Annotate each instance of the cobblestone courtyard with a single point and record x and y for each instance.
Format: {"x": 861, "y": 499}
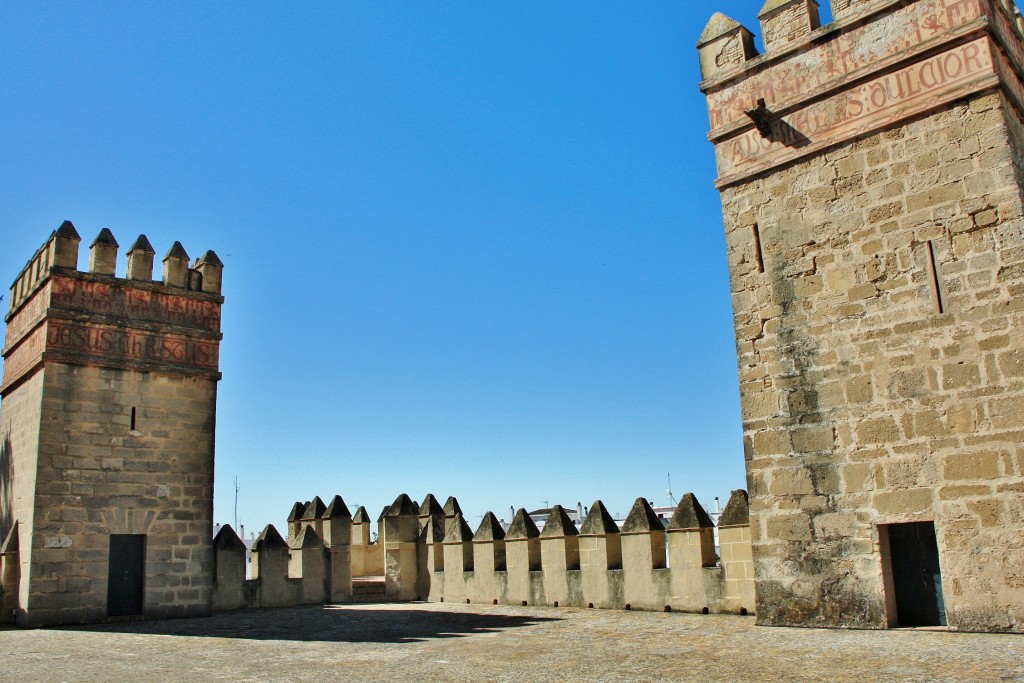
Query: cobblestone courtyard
{"x": 443, "y": 642}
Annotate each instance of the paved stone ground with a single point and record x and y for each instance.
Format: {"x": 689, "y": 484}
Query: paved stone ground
{"x": 443, "y": 642}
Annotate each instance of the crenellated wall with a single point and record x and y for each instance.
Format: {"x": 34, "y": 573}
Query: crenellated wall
{"x": 871, "y": 179}
{"x": 431, "y": 553}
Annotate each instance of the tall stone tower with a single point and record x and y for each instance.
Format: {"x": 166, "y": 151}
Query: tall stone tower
{"x": 871, "y": 176}
{"x": 107, "y": 434}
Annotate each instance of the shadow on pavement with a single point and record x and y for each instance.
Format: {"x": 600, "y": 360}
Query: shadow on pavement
{"x": 329, "y": 623}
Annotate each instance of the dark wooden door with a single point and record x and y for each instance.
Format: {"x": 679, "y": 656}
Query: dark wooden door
{"x": 127, "y": 571}
{"x": 915, "y": 574}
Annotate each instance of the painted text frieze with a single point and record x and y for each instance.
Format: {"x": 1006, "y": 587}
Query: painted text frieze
{"x": 812, "y": 70}
{"x": 135, "y": 303}
{"x": 114, "y": 343}
{"x": 871, "y": 105}
{"x": 24, "y": 356}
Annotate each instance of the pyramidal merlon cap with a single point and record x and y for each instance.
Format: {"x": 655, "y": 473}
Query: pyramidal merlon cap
{"x": 141, "y": 244}
{"x": 177, "y": 252}
{"x": 106, "y": 238}
{"x": 718, "y": 26}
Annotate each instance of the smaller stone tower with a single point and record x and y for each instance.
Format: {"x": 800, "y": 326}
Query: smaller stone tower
{"x": 107, "y": 434}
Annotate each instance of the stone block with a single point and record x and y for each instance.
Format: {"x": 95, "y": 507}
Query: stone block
{"x": 971, "y": 466}
{"x": 791, "y": 482}
{"x": 793, "y": 526}
{"x": 903, "y": 501}
{"x": 989, "y": 511}
{"x": 878, "y": 430}
{"x": 960, "y": 376}
{"x": 772, "y": 442}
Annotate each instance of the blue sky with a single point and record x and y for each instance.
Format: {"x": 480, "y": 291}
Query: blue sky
{"x": 472, "y": 249}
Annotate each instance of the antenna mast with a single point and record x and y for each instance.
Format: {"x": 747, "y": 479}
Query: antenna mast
{"x": 236, "y": 502}
{"x": 669, "y": 492}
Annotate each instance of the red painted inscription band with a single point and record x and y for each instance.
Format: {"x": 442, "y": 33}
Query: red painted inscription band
{"x": 136, "y": 303}
{"x": 24, "y": 357}
{"x": 861, "y": 48}
{"x": 28, "y": 316}
{"x": 877, "y": 103}
{"x": 114, "y": 343}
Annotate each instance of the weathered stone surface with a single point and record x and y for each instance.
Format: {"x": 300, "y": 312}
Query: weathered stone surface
{"x": 227, "y": 539}
{"x": 736, "y": 512}
{"x": 308, "y": 538}
{"x": 314, "y": 510}
{"x": 490, "y": 529}
{"x": 690, "y": 514}
{"x": 784, "y": 21}
{"x": 337, "y": 508}
{"x": 451, "y": 507}
{"x": 432, "y": 532}
{"x": 558, "y": 524}
{"x": 403, "y": 505}
{"x": 298, "y": 509}
{"x": 599, "y": 521}
{"x": 641, "y": 518}
{"x": 724, "y": 46}
{"x": 876, "y": 258}
{"x": 459, "y": 531}
{"x": 269, "y": 538}
{"x": 522, "y": 527}
{"x": 430, "y": 506}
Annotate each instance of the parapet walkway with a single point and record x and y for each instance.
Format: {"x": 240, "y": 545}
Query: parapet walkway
{"x": 444, "y": 642}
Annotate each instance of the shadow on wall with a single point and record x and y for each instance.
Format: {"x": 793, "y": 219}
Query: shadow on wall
{"x": 331, "y": 624}
{"x": 6, "y": 486}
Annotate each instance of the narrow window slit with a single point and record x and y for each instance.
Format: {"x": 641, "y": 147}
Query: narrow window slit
{"x": 758, "y": 254}
{"x": 133, "y": 420}
{"x": 933, "y": 280}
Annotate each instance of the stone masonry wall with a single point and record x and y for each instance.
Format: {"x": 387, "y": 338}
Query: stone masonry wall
{"x": 867, "y": 396}
{"x": 98, "y": 477}
{"x": 19, "y": 448}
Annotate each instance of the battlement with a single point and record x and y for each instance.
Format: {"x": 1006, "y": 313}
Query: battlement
{"x": 431, "y": 553}
{"x": 94, "y": 317}
{"x": 60, "y": 252}
{"x": 877, "y": 62}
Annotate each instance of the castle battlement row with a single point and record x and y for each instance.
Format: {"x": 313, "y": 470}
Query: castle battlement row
{"x": 429, "y": 552}
{"x": 60, "y": 251}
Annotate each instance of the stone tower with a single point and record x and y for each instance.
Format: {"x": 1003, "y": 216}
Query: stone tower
{"x": 107, "y": 434}
{"x": 871, "y": 178}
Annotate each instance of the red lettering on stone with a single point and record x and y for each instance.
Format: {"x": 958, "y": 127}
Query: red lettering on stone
{"x": 971, "y": 53}
{"x": 957, "y": 62}
{"x": 879, "y": 95}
